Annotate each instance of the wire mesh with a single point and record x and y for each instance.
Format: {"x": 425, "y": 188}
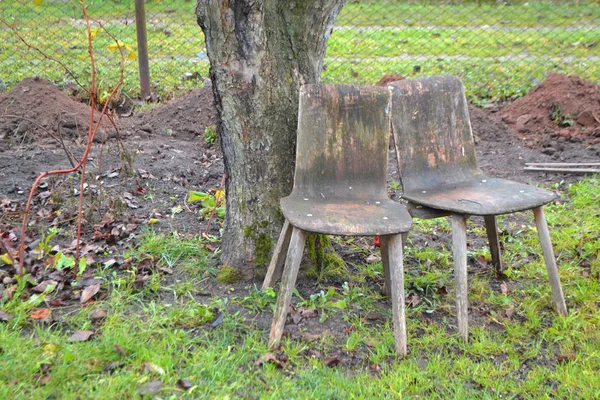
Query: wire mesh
{"x": 499, "y": 48}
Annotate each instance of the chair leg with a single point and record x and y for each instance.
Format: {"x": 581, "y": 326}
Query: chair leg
{"x": 288, "y": 280}
{"x": 278, "y": 259}
{"x": 396, "y": 288}
{"x": 544, "y": 234}
{"x": 385, "y": 260}
{"x": 492, "y": 234}
{"x": 384, "y": 240}
{"x": 459, "y": 247}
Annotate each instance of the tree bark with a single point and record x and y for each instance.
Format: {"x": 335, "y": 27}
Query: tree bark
{"x": 260, "y": 52}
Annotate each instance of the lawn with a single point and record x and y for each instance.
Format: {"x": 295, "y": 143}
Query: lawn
{"x": 168, "y": 338}
{"x": 500, "y": 50}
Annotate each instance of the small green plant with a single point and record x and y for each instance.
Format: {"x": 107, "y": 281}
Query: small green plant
{"x": 395, "y": 185}
{"x": 559, "y": 118}
{"x": 44, "y": 245}
{"x": 259, "y": 300}
{"x": 209, "y": 202}
{"x": 210, "y": 134}
{"x": 322, "y": 301}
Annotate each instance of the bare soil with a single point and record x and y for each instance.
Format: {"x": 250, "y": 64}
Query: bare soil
{"x": 563, "y": 108}
{"x": 167, "y": 156}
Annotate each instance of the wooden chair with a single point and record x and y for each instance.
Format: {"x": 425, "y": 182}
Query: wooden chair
{"x": 440, "y": 176}
{"x": 340, "y": 189}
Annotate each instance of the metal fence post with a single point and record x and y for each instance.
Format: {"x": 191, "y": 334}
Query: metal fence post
{"x": 142, "y": 41}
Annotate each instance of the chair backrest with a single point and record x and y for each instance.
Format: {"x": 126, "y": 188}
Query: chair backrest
{"x": 432, "y": 132}
{"x": 343, "y": 139}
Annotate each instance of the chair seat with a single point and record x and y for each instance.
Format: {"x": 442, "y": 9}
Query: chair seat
{"x": 482, "y": 196}
{"x": 344, "y": 217}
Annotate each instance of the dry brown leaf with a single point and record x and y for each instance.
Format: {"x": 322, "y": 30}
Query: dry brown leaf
{"x": 89, "y": 292}
{"x": 149, "y": 388}
{"x": 269, "y": 357}
{"x": 309, "y": 337}
{"x": 184, "y": 384}
{"x": 80, "y": 336}
{"x": 119, "y": 350}
{"x": 98, "y": 315}
{"x": 4, "y": 316}
{"x": 331, "y": 361}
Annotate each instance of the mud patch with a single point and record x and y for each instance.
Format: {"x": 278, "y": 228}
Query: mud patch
{"x": 37, "y": 100}
{"x": 562, "y": 108}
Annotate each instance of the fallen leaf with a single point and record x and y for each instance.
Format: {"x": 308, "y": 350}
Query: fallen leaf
{"x": 269, "y": 357}
{"x": 314, "y": 353}
{"x": 89, "y": 292}
{"x": 184, "y": 384}
{"x": 40, "y": 313}
{"x": 373, "y": 259}
{"x": 45, "y": 379}
{"x": 98, "y": 315}
{"x": 45, "y": 367}
{"x": 45, "y": 287}
{"x": 564, "y": 358}
{"x": 149, "y": 388}
{"x": 414, "y": 299}
{"x": 217, "y": 321}
{"x": 296, "y": 317}
{"x": 504, "y": 288}
{"x": 119, "y": 350}
{"x": 308, "y": 313}
{"x": 4, "y": 316}
{"x": 509, "y": 312}
{"x": 80, "y": 336}
{"x": 331, "y": 361}
{"x": 5, "y": 259}
{"x": 113, "y": 366}
{"x": 164, "y": 270}
{"x": 153, "y": 368}
{"x": 309, "y": 337}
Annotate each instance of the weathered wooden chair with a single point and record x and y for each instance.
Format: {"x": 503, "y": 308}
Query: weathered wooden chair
{"x": 340, "y": 189}
{"x": 440, "y": 176}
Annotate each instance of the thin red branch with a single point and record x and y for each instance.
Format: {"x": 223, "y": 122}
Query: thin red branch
{"x": 93, "y": 130}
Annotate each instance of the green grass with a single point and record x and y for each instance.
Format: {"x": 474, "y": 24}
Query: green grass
{"x": 499, "y": 50}
{"x": 534, "y": 354}
{"x": 520, "y": 13}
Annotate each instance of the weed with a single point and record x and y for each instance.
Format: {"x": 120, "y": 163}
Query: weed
{"x": 322, "y": 301}
{"x": 559, "y": 118}
{"x": 210, "y": 134}
{"x": 259, "y": 300}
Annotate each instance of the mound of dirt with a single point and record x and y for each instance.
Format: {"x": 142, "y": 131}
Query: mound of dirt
{"x": 38, "y": 100}
{"x": 561, "y": 106}
{"x": 185, "y": 116}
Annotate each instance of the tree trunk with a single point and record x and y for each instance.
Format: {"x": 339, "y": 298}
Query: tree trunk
{"x": 260, "y": 52}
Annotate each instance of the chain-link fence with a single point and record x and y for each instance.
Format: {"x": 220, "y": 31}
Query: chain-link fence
{"x": 500, "y": 49}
